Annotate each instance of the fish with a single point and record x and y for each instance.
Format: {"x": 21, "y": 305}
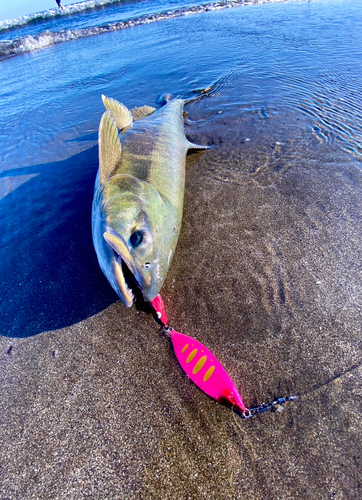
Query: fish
{"x": 138, "y": 196}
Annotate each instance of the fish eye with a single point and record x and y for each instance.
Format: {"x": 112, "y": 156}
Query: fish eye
{"x": 147, "y": 265}
{"x": 136, "y": 238}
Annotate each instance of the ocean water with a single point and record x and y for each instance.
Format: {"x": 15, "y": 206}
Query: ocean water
{"x": 295, "y": 67}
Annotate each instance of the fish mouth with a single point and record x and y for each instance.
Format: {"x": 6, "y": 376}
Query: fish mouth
{"x": 129, "y": 289}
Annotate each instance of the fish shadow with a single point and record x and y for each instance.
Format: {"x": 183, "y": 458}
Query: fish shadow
{"x": 49, "y": 274}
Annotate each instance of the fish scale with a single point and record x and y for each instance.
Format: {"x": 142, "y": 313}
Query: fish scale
{"x": 154, "y": 150}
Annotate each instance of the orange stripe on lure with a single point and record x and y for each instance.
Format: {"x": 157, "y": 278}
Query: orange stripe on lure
{"x": 201, "y": 365}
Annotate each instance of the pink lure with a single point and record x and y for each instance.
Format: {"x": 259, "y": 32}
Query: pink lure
{"x": 206, "y": 371}
{"x": 202, "y": 366}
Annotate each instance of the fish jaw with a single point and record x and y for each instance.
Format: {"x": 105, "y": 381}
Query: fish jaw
{"x": 121, "y": 254}
{"x": 124, "y": 292}
{"x": 112, "y": 263}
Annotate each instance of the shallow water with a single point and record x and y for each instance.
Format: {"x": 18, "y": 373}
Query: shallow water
{"x": 295, "y": 63}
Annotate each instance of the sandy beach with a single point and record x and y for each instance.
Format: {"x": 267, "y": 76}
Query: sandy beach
{"x": 267, "y": 274}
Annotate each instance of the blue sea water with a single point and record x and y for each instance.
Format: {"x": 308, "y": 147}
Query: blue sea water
{"x": 298, "y": 63}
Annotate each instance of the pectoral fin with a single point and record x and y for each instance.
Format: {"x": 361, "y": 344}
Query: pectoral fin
{"x": 142, "y": 112}
{"x": 109, "y": 146}
{"x": 120, "y": 113}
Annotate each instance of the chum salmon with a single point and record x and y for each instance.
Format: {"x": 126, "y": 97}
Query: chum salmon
{"x": 139, "y": 192}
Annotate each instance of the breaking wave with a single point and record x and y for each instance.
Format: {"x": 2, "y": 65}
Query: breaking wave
{"x": 72, "y": 9}
{"x": 31, "y": 43}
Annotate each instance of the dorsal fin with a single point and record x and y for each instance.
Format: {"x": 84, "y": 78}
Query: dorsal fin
{"x": 109, "y": 146}
{"x": 120, "y": 113}
{"x": 142, "y": 112}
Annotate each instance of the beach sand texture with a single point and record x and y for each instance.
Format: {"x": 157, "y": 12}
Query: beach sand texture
{"x": 267, "y": 274}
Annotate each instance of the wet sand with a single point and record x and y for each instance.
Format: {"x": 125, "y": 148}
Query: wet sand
{"x": 267, "y": 274}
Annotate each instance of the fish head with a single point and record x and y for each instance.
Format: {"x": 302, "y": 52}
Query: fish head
{"x": 134, "y": 237}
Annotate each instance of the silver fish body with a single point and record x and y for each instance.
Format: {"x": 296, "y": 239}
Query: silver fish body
{"x": 138, "y": 199}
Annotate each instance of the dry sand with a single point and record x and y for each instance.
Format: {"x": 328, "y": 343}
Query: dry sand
{"x": 267, "y": 274}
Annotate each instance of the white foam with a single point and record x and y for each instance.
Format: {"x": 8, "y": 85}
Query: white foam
{"x": 31, "y": 43}
{"x": 75, "y": 8}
